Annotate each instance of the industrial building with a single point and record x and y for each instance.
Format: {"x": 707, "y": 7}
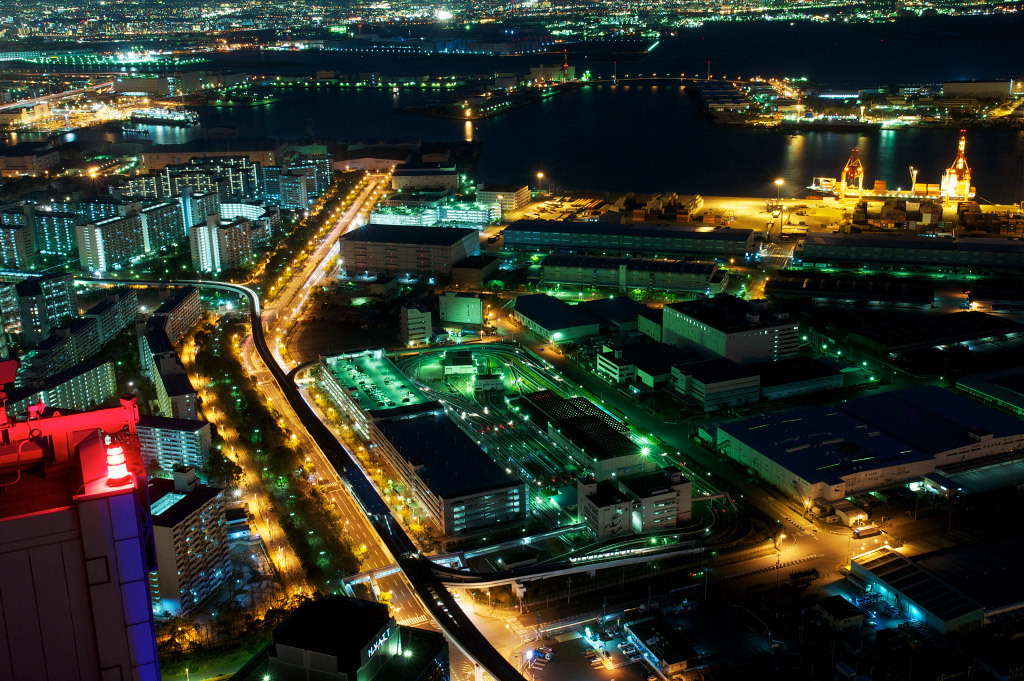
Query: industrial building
{"x": 642, "y": 240}
{"x": 636, "y": 503}
{"x": 916, "y": 591}
{"x": 477, "y": 214}
{"x": 475, "y": 271}
{"x": 982, "y": 89}
{"x": 554, "y": 320}
{"x": 456, "y": 483}
{"x": 190, "y": 538}
{"x": 415, "y": 324}
{"x": 855, "y": 289}
{"x": 601, "y": 444}
{"x": 730, "y": 327}
{"x": 966, "y": 329}
{"x": 634, "y": 273}
{"x": 408, "y": 176}
{"x": 823, "y": 454}
{"x": 336, "y": 637}
{"x": 905, "y": 252}
{"x": 406, "y": 251}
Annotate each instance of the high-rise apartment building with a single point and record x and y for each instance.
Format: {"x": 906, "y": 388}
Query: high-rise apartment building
{"x": 162, "y": 225}
{"x": 110, "y": 243}
{"x": 170, "y": 442}
{"x": 17, "y": 247}
{"x": 44, "y": 303}
{"x": 196, "y": 207}
{"x": 190, "y": 537}
{"x": 293, "y": 190}
{"x": 218, "y": 246}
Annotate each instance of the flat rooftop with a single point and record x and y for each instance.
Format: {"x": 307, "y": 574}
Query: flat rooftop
{"x": 618, "y": 310}
{"x": 874, "y": 288}
{"x": 931, "y": 331}
{"x": 730, "y": 314}
{"x": 822, "y": 444}
{"x": 373, "y": 381}
{"x": 987, "y": 573}
{"x": 169, "y": 507}
{"x": 552, "y": 313}
{"x": 694, "y": 267}
{"x": 635, "y": 230}
{"x": 476, "y": 262}
{"x": 448, "y": 462}
{"x": 403, "y": 234}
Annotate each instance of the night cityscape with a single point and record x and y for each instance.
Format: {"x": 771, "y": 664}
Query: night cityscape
{"x": 511, "y": 340}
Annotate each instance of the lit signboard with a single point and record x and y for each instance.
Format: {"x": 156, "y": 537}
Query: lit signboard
{"x": 379, "y": 642}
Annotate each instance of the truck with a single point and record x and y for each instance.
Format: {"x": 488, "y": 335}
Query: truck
{"x": 865, "y": 531}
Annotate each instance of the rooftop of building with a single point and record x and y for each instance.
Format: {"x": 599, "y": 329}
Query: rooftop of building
{"x": 917, "y": 584}
{"x": 637, "y": 229}
{"x": 169, "y": 423}
{"x": 987, "y": 573}
{"x": 822, "y": 444}
{"x": 557, "y": 408}
{"x": 335, "y": 625}
{"x": 717, "y": 370}
{"x": 730, "y": 314}
{"x": 423, "y": 168}
{"x": 934, "y": 330}
{"x": 597, "y": 438}
{"x": 27, "y": 149}
{"x": 238, "y": 145}
{"x": 615, "y": 310}
{"x": 646, "y": 485}
{"x": 839, "y": 608}
{"x": 447, "y": 460}
{"x": 511, "y": 188}
{"x": 476, "y": 262}
{"x": 606, "y": 493}
{"x": 403, "y": 234}
{"x": 695, "y": 267}
{"x": 793, "y": 370}
{"x": 177, "y": 298}
{"x": 373, "y": 381}
{"x": 663, "y": 641}
{"x": 865, "y": 240}
{"x": 874, "y": 288}
{"x": 932, "y": 419}
{"x": 552, "y": 313}
{"x": 170, "y": 507}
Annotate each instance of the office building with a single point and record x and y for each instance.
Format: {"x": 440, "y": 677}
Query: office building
{"x": 111, "y": 243}
{"x": 553, "y": 319}
{"x": 44, "y": 303}
{"x": 461, "y": 308}
{"x": 730, "y": 327}
{"x": 17, "y": 247}
{"x": 218, "y": 245}
{"x": 415, "y": 324}
{"x": 823, "y": 454}
{"x": 418, "y": 176}
{"x": 190, "y": 538}
{"x": 77, "y": 546}
{"x": 460, "y": 488}
{"x": 170, "y": 442}
{"x": 510, "y": 197}
{"x": 87, "y": 384}
{"x": 635, "y": 504}
{"x": 335, "y": 638}
{"x": 179, "y": 313}
{"x": 635, "y": 240}
{"x": 406, "y": 251}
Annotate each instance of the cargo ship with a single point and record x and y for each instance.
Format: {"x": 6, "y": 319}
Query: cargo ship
{"x": 180, "y": 118}
{"x": 830, "y": 125}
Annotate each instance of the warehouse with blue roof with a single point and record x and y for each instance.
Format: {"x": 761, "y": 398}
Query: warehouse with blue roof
{"x": 823, "y": 454}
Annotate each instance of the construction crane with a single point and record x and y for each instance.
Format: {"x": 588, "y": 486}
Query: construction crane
{"x": 956, "y": 183}
{"x": 853, "y": 173}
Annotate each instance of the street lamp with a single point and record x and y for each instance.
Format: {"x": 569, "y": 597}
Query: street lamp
{"x": 778, "y": 190}
{"x": 540, "y": 182}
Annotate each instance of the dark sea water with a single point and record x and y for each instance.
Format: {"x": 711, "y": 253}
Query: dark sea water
{"x": 642, "y": 138}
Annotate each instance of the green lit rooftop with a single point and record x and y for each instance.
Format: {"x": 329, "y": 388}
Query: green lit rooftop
{"x": 373, "y": 381}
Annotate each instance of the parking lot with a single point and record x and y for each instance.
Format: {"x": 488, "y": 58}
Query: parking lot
{"x": 569, "y": 661}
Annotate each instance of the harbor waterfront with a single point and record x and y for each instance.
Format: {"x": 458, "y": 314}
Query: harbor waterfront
{"x": 637, "y": 137}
